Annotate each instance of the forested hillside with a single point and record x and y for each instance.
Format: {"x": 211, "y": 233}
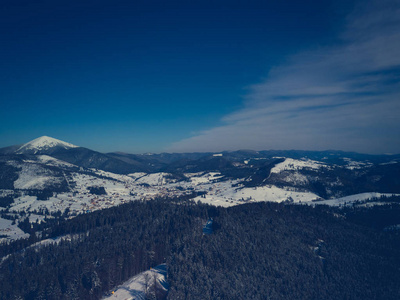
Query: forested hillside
{"x": 272, "y": 251}
{"x": 256, "y": 251}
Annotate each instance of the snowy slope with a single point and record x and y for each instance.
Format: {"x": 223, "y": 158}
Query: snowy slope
{"x": 155, "y": 179}
{"x": 43, "y": 143}
{"x": 51, "y": 161}
{"x": 350, "y": 164}
{"x": 33, "y": 176}
{"x": 296, "y": 164}
{"x": 352, "y": 198}
{"x": 134, "y": 288}
{"x": 202, "y": 178}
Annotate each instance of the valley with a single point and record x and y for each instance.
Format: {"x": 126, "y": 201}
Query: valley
{"x": 39, "y": 185}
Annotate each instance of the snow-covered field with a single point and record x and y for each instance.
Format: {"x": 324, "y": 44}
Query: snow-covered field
{"x": 203, "y": 177}
{"x": 223, "y": 195}
{"x": 11, "y": 230}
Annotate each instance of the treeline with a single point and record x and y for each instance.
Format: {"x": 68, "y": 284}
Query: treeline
{"x": 256, "y": 251}
{"x": 379, "y": 217}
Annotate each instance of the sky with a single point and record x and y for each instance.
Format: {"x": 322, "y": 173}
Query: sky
{"x": 194, "y": 76}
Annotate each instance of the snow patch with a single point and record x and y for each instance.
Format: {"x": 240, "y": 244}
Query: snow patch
{"x": 135, "y": 287}
{"x": 295, "y": 164}
{"x": 351, "y": 164}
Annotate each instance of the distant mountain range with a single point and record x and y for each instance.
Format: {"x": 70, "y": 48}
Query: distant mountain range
{"x": 325, "y": 173}
{"x": 123, "y": 163}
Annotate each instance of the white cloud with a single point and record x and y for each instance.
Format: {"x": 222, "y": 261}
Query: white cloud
{"x": 344, "y": 96}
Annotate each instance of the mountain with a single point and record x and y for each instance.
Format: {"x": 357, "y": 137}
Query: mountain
{"x": 44, "y": 145}
{"x": 78, "y": 156}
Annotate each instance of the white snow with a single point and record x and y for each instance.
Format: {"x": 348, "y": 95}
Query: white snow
{"x": 224, "y": 195}
{"x": 296, "y": 164}
{"x": 57, "y": 240}
{"x": 351, "y": 164}
{"x": 389, "y": 163}
{"x": 134, "y": 288}
{"x": 352, "y": 198}
{"x": 48, "y": 160}
{"x": 137, "y": 175}
{"x": 44, "y": 143}
{"x": 202, "y": 178}
{"x": 155, "y": 179}
{"x": 118, "y": 177}
{"x": 33, "y": 176}
{"x": 296, "y": 178}
{"x": 12, "y": 232}
{"x": 27, "y": 203}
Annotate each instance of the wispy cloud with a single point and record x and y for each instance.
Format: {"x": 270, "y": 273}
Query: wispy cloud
{"x": 343, "y": 96}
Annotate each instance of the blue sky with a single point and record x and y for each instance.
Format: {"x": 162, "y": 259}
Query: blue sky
{"x": 155, "y": 76}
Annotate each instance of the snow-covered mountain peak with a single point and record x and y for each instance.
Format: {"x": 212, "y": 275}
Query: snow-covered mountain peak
{"x": 44, "y": 143}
